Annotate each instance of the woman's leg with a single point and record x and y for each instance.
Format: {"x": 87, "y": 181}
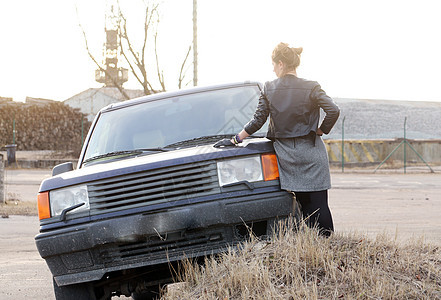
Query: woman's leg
{"x": 315, "y": 209}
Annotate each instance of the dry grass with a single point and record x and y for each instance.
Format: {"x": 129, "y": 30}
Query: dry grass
{"x": 304, "y": 265}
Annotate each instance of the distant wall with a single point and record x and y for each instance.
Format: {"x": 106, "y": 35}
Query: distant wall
{"x": 364, "y": 152}
{"x": 53, "y": 126}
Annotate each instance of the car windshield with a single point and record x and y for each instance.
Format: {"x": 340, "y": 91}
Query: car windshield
{"x": 169, "y": 121}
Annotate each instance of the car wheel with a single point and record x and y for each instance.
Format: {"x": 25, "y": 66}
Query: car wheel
{"x": 152, "y": 294}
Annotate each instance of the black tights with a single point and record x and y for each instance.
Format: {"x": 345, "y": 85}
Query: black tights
{"x": 315, "y": 209}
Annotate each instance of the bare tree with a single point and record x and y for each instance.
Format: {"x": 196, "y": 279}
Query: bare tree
{"x": 183, "y": 70}
{"x": 136, "y": 57}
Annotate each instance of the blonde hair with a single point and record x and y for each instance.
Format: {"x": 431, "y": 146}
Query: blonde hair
{"x": 289, "y": 56}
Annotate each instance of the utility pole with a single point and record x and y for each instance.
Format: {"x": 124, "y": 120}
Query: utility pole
{"x": 343, "y": 145}
{"x": 195, "y": 43}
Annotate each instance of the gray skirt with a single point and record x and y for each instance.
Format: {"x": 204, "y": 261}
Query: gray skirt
{"x": 303, "y": 164}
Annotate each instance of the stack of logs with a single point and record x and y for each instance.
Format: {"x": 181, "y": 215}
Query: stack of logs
{"x": 52, "y": 126}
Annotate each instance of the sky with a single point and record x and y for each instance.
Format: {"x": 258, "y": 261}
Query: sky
{"x": 355, "y": 49}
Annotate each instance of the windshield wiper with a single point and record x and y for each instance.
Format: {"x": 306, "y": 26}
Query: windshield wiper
{"x": 207, "y": 139}
{"x": 125, "y": 153}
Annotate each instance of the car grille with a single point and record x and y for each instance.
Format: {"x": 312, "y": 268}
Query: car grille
{"x": 175, "y": 245}
{"x": 153, "y": 186}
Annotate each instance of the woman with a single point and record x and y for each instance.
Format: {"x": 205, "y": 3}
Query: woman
{"x": 293, "y": 105}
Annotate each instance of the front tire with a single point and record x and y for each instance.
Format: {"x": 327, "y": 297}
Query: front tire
{"x": 151, "y": 293}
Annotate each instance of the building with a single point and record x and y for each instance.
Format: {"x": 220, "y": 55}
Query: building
{"x": 38, "y": 101}
{"x": 90, "y": 101}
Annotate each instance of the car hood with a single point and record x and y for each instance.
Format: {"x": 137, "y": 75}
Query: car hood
{"x": 145, "y": 162}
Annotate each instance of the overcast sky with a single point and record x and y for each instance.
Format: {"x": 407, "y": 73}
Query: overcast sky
{"x": 356, "y": 49}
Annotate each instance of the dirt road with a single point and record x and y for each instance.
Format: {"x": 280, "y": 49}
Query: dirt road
{"x": 404, "y": 205}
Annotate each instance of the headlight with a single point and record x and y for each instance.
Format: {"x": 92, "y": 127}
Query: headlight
{"x": 235, "y": 170}
{"x": 68, "y": 197}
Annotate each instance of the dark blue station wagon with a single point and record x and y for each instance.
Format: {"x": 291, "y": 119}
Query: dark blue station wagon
{"x": 150, "y": 189}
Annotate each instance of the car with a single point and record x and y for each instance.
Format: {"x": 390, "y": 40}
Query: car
{"x": 150, "y": 190}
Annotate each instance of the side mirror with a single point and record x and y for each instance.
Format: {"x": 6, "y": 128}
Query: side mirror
{"x": 62, "y": 168}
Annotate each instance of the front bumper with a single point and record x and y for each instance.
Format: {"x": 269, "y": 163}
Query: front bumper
{"x": 86, "y": 252}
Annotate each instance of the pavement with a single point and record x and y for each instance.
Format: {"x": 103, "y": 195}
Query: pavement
{"x": 23, "y": 273}
{"x": 23, "y": 184}
{"x": 402, "y": 206}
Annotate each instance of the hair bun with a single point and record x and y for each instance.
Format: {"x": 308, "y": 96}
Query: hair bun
{"x": 290, "y": 56}
{"x": 298, "y": 51}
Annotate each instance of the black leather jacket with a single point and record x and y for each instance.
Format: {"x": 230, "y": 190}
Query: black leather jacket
{"x": 293, "y": 105}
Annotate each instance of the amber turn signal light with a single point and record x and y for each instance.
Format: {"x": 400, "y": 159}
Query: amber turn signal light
{"x": 269, "y": 166}
{"x": 44, "y": 210}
